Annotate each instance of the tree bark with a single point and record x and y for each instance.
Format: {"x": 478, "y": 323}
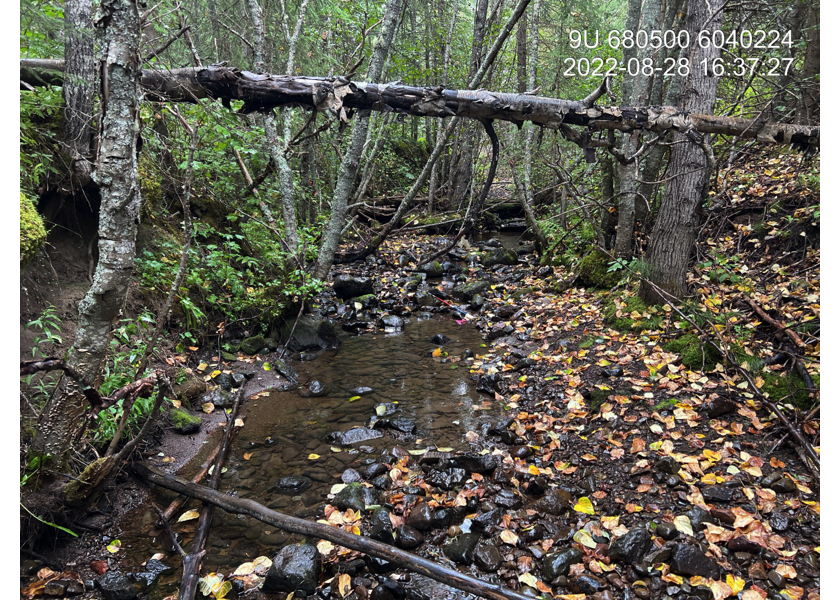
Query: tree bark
{"x": 350, "y": 163}
{"x": 116, "y": 175}
{"x": 674, "y": 233}
{"x": 78, "y": 90}
{"x": 275, "y": 149}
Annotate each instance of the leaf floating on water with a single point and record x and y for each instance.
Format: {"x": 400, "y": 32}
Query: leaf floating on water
{"x": 314, "y": 456}
{"x": 248, "y": 455}
{"x": 584, "y": 505}
{"x": 445, "y": 449}
{"x": 188, "y": 516}
{"x": 335, "y": 449}
{"x": 437, "y": 353}
{"x": 418, "y": 452}
{"x": 683, "y": 525}
{"x": 266, "y": 366}
{"x": 114, "y": 547}
{"x": 354, "y": 398}
{"x": 208, "y": 407}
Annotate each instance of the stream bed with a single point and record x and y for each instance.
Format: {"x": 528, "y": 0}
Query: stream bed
{"x": 287, "y": 437}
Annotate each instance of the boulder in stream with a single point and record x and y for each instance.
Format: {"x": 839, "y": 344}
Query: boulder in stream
{"x": 311, "y": 333}
{"x": 354, "y": 436}
{"x": 348, "y": 286}
{"x": 294, "y": 569}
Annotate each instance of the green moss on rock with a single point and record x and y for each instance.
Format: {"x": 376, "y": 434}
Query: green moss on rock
{"x": 33, "y": 234}
{"x": 183, "y": 421}
{"x": 594, "y": 270}
{"x": 695, "y": 356}
{"x": 597, "y": 398}
{"x": 626, "y": 321}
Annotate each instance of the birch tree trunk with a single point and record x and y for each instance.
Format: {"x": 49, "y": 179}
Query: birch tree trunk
{"x": 275, "y": 149}
{"x": 350, "y": 163}
{"x": 674, "y": 233}
{"x": 116, "y": 176}
{"x": 79, "y": 82}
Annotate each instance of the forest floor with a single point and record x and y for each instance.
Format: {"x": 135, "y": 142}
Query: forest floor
{"x": 618, "y": 470}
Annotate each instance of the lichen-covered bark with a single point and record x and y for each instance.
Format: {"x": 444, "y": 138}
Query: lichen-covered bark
{"x": 79, "y": 82}
{"x": 674, "y": 233}
{"x": 350, "y": 163}
{"x": 116, "y": 176}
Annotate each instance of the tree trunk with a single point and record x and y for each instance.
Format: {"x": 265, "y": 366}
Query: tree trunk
{"x": 275, "y": 148}
{"x": 116, "y": 175}
{"x": 79, "y": 82}
{"x": 350, "y": 163}
{"x": 674, "y": 233}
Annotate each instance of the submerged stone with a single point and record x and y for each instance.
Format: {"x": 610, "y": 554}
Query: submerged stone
{"x": 294, "y": 569}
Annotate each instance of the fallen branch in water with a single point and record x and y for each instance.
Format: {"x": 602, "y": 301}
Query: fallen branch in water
{"x": 407, "y": 560}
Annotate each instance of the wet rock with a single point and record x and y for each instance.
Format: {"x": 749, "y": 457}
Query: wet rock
{"x": 383, "y": 482}
{"x": 252, "y": 345}
{"x": 521, "y": 451}
{"x": 667, "y": 531}
{"x": 667, "y": 465}
{"x": 776, "y": 579}
{"x": 439, "y": 339}
{"x": 742, "y": 544}
{"x": 391, "y": 321}
{"x": 690, "y": 560}
{"x": 224, "y": 381}
{"x": 420, "y": 517}
{"x": 524, "y": 363}
{"x": 507, "y": 499}
{"x": 556, "y": 502}
{"x": 295, "y": 568}
{"x": 499, "y": 256}
{"x": 385, "y": 408}
{"x": 116, "y": 586}
{"x": 657, "y": 555}
{"x": 433, "y": 270}
{"x": 219, "y": 398}
{"x": 486, "y": 520}
{"x": 489, "y": 383}
{"x": 613, "y": 372}
{"x": 355, "y": 326}
{"x": 587, "y": 584}
{"x": 286, "y": 370}
{"x": 499, "y": 330}
{"x": 444, "y": 517}
{"x": 355, "y": 496}
{"x": 348, "y": 286}
{"x": 381, "y": 527}
{"x": 408, "y": 538}
{"x": 315, "y": 389}
{"x": 462, "y": 548}
{"x": 388, "y": 589}
{"x": 424, "y": 299}
{"x": 632, "y": 547}
{"x": 697, "y": 516}
{"x": 354, "y": 436}
{"x": 465, "y": 291}
{"x": 366, "y": 301}
{"x": 721, "y": 406}
{"x": 311, "y": 333}
{"x": 785, "y": 485}
{"x": 183, "y": 421}
{"x": 239, "y": 379}
{"x": 399, "y": 424}
{"x": 477, "y": 302}
{"x": 447, "y": 479}
{"x": 718, "y": 493}
{"x": 373, "y": 470}
{"x": 557, "y": 564}
{"x": 292, "y": 484}
{"x": 478, "y": 463}
{"x": 487, "y": 557}
{"x": 361, "y": 391}
{"x": 779, "y": 522}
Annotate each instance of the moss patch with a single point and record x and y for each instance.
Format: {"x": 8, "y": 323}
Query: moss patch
{"x": 635, "y": 314}
{"x": 33, "y": 234}
{"x": 183, "y": 421}
{"x": 597, "y": 398}
{"x": 788, "y": 387}
{"x": 695, "y": 356}
{"x": 594, "y": 273}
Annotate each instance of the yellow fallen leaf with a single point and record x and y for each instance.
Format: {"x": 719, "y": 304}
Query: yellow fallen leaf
{"x": 343, "y": 584}
{"x": 584, "y": 505}
{"x": 314, "y": 456}
{"x": 528, "y": 579}
{"x": 508, "y": 537}
{"x": 736, "y": 583}
{"x": 114, "y": 546}
{"x": 583, "y": 537}
{"x": 244, "y": 569}
{"x": 188, "y": 516}
{"x": 683, "y": 525}
{"x": 324, "y": 547}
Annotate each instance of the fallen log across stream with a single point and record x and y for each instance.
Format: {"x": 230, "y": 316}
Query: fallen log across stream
{"x": 263, "y": 92}
{"x": 406, "y": 560}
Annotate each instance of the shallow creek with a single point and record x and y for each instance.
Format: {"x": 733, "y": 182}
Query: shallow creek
{"x": 283, "y": 430}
